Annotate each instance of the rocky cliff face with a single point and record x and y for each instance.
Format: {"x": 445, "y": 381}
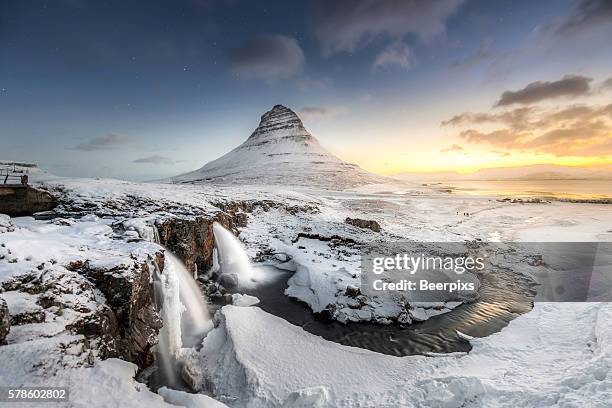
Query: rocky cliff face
{"x": 19, "y": 200}
{"x": 281, "y": 151}
{"x": 191, "y": 238}
{"x": 127, "y": 326}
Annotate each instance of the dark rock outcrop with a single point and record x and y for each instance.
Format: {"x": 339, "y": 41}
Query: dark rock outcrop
{"x": 367, "y": 224}
{"x": 352, "y": 291}
{"x": 20, "y": 200}
{"x": 192, "y": 239}
{"x": 35, "y": 316}
{"x": 5, "y": 324}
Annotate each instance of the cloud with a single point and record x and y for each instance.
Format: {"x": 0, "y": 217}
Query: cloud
{"x": 568, "y": 86}
{"x": 267, "y": 57}
{"x": 396, "y": 54}
{"x": 516, "y": 118}
{"x": 343, "y": 25}
{"x": 320, "y": 112}
{"x": 453, "y": 148}
{"x": 156, "y": 159}
{"x": 607, "y": 84}
{"x": 102, "y": 143}
{"x": 585, "y": 15}
{"x": 575, "y": 130}
{"x": 482, "y": 53}
{"x": 505, "y": 138}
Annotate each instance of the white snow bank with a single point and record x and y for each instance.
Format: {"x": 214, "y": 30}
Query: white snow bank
{"x": 110, "y": 383}
{"x": 187, "y": 400}
{"x": 251, "y": 357}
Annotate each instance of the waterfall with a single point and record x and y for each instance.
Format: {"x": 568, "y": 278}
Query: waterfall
{"x": 167, "y": 299}
{"x": 183, "y": 312}
{"x": 233, "y": 260}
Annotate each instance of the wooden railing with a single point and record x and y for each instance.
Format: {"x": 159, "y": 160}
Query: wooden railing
{"x": 14, "y": 175}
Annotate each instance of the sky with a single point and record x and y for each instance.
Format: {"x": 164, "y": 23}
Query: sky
{"x": 148, "y": 89}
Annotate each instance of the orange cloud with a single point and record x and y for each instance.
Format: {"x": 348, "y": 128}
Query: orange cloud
{"x": 575, "y": 130}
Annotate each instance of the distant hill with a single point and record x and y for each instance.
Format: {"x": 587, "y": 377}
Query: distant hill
{"x": 532, "y": 172}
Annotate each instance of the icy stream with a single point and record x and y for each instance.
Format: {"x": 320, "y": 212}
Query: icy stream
{"x": 503, "y": 297}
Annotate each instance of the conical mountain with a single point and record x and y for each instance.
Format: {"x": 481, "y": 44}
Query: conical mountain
{"x": 280, "y": 151}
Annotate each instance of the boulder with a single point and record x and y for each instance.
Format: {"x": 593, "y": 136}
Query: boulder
{"x": 228, "y": 280}
{"x": 366, "y": 224}
{"x": 352, "y": 291}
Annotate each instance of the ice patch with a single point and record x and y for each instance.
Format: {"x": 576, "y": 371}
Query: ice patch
{"x": 244, "y": 300}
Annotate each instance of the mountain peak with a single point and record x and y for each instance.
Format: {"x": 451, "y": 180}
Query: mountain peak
{"x": 277, "y": 122}
{"x": 280, "y": 151}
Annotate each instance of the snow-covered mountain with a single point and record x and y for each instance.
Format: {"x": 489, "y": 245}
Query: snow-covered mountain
{"x": 281, "y": 151}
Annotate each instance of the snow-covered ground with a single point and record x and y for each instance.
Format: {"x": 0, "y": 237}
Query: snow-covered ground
{"x": 255, "y": 359}
{"x": 556, "y": 355}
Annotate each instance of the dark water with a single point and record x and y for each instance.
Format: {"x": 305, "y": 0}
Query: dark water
{"x": 503, "y": 297}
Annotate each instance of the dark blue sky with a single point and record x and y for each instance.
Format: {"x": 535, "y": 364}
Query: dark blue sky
{"x": 141, "y": 89}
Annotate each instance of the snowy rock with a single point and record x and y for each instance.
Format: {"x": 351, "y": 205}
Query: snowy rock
{"x": 282, "y": 257}
{"x": 5, "y": 224}
{"x": 228, "y": 280}
{"x": 352, "y": 291}
{"x": 23, "y": 307}
{"x": 367, "y": 224}
{"x": 418, "y": 314}
{"x": 404, "y": 318}
{"x": 144, "y": 229}
{"x": 244, "y": 300}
